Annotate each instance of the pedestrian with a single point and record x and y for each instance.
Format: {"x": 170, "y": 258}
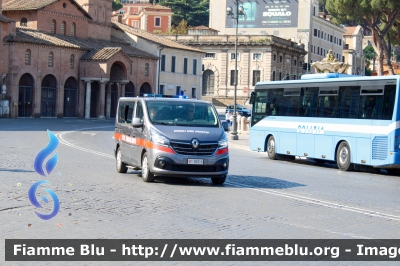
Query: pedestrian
{"x": 228, "y": 118}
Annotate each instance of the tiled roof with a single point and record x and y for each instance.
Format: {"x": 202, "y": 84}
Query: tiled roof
{"x": 157, "y": 7}
{"x": 102, "y": 54}
{"x": 154, "y": 38}
{"x": 349, "y": 30}
{"x": 5, "y": 19}
{"x": 98, "y": 50}
{"x": 10, "y": 5}
{"x": 26, "y": 4}
{"x": 201, "y": 28}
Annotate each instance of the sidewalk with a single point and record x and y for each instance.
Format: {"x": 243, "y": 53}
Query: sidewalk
{"x": 241, "y": 143}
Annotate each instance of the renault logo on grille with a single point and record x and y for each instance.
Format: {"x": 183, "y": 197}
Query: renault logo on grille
{"x": 195, "y": 143}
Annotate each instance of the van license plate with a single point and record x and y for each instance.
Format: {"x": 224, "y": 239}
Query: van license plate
{"x": 195, "y": 161}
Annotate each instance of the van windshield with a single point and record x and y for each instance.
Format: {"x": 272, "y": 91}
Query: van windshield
{"x": 182, "y": 114}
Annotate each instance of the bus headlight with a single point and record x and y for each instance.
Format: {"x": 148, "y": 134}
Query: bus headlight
{"x": 223, "y": 142}
{"x": 159, "y": 139}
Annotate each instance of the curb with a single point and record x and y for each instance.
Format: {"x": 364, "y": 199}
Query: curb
{"x": 239, "y": 146}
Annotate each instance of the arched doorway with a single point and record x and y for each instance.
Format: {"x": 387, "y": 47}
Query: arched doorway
{"x": 208, "y": 82}
{"x": 48, "y": 99}
{"x": 145, "y": 88}
{"x": 117, "y": 72}
{"x": 25, "y": 95}
{"x": 70, "y": 97}
{"x": 117, "y": 76}
{"x": 129, "y": 90}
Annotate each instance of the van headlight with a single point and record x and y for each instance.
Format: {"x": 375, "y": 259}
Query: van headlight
{"x": 159, "y": 139}
{"x": 223, "y": 142}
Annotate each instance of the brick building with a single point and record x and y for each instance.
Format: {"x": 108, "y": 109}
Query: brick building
{"x": 59, "y": 58}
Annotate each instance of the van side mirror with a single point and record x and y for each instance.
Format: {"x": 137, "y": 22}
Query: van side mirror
{"x": 252, "y": 96}
{"x": 136, "y": 123}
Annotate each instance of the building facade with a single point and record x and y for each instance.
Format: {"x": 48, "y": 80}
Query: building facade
{"x": 64, "y": 59}
{"x": 147, "y": 16}
{"x": 179, "y": 66}
{"x": 353, "y": 50}
{"x": 260, "y": 58}
{"x": 298, "y": 21}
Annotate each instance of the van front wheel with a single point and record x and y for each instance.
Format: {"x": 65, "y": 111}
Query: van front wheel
{"x": 121, "y": 166}
{"x": 218, "y": 180}
{"x": 147, "y": 176}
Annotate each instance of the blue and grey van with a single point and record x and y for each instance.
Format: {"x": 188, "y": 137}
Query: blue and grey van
{"x": 170, "y": 137}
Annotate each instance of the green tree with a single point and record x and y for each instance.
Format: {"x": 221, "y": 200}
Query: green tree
{"x": 376, "y": 15}
{"x": 322, "y": 4}
{"x": 370, "y": 54}
{"x": 195, "y": 12}
{"x": 116, "y": 5}
{"x": 181, "y": 29}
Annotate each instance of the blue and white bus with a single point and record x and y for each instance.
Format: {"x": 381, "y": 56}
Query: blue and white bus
{"x": 352, "y": 120}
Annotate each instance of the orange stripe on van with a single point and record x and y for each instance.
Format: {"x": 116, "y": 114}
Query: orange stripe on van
{"x": 142, "y": 143}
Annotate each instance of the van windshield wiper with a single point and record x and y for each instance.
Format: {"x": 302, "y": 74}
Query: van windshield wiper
{"x": 164, "y": 123}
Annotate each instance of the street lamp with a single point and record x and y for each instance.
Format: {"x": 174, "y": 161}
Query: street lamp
{"x": 299, "y": 36}
{"x": 157, "y": 90}
{"x": 229, "y": 13}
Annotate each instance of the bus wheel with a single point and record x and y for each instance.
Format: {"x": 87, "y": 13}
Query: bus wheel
{"x": 343, "y": 157}
{"x": 147, "y": 176}
{"x": 121, "y": 166}
{"x": 271, "y": 148}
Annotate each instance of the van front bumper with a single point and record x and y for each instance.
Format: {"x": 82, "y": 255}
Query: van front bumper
{"x": 166, "y": 166}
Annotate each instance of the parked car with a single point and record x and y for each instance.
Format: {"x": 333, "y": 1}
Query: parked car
{"x": 242, "y": 110}
{"x": 224, "y": 123}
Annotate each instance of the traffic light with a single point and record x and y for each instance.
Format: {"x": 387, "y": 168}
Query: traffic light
{"x": 306, "y": 66}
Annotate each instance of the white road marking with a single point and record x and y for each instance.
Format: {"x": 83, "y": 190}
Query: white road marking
{"x": 88, "y": 133}
{"x": 319, "y": 202}
{"x": 313, "y": 201}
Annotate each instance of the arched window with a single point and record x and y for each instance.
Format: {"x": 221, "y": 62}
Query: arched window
{"x": 28, "y": 57}
{"x": 63, "y": 28}
{"x": 73, "y": 29}
{"x": 72, "y": 62}
{"x": 50, "y": 61}
{"x": 146, "y": 70}
{"x": 53, "y": 26}
{"x": 24, "y": 22}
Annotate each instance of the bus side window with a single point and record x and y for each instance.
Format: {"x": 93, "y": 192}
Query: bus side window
{"x": 349, "y": 102}
{"x": 388, "y": 102}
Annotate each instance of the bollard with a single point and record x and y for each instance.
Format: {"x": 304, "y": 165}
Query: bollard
{"x": 243, "y": 123}
{"x": 239, "y": 121}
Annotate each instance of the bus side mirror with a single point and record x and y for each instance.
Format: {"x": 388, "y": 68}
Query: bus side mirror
{"x": 252, "y": 96}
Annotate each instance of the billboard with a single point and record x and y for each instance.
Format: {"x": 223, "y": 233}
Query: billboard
{"x": 265, "y": 14}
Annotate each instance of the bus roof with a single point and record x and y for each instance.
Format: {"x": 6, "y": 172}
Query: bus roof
{"x": 328, "y": 77}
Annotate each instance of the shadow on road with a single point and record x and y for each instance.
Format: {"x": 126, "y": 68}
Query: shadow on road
{"x": 15, "y": 170}
{"x": 231, "y": 181}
